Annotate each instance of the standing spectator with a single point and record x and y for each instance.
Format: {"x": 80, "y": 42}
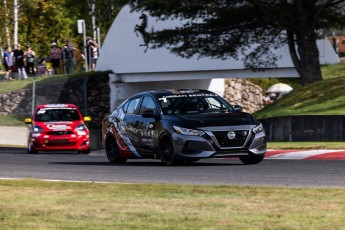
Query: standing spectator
{"x": 30, "y": 60}
{"x": 18, "y": 54}
{"x": 7, "y": 62}
{"x": 55, "y": 55}
{"x": 92, "y": 53}
{"x": 68, "y": 58}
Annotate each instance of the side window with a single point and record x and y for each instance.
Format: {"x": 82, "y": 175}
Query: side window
{"x": 125, "y": 106}
{"x": 213, "y": 103}
{"x": 133, "y": 105}
{"x": 148, "y": 104}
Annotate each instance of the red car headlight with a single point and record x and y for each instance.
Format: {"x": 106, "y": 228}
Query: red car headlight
{"x": 37, "y": 129}
{"x": 81, "y": 128}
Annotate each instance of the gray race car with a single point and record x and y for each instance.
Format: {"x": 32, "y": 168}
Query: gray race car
{"x": 181, "y": 125}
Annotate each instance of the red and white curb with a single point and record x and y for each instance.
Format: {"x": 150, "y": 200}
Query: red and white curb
{"x": 319, "y": 154}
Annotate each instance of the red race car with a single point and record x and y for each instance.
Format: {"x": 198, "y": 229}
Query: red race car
{"x": 58, "y": 127}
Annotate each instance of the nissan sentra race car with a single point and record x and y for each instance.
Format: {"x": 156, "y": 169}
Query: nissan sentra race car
{"x": 181, "y": 125}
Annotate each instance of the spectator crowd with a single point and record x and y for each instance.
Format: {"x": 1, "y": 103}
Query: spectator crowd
{"x": 60, "y": 60}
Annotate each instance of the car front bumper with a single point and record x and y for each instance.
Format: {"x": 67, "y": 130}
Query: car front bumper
{"x": 209, "y": 146}
{"x": 40, "y": 142}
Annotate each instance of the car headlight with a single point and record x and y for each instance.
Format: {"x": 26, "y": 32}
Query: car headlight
{"x": 258, "y": 129}
{"x": 191, "y": 132}
{"x": 80, "y": 128}
{"x": 37, "y": 129}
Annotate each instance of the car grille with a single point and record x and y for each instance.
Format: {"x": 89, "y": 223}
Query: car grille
{"x": 59, "y": 143}
{"x": 59, "y": 133}
{"x": 225, "y": 142}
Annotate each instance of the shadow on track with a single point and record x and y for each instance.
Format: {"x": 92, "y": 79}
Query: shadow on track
{"x": 13, "y": 150}
{"x": 142, "y": 163}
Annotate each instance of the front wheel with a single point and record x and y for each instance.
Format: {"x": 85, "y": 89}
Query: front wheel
{"x": 252, "y": 159}
{"x": 31, "y": 150}
{"x": 166, "y": 150}
{"x": 112, "y": 151}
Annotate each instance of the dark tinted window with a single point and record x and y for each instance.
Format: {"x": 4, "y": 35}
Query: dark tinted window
{"x": 65, "y": 114}
{"x": 199, "y": 103}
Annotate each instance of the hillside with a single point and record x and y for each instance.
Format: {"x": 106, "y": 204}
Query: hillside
{"x": 321, "y": 98}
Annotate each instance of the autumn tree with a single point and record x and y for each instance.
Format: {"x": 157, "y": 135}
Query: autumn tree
{"x": 227, "y": 28}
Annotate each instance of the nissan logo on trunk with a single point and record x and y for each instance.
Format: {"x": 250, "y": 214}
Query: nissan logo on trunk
{"x": 231, "y": 135}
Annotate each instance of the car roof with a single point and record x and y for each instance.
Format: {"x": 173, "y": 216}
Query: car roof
{"x": 46, "y": 106}
{"x": 165, "y": 92}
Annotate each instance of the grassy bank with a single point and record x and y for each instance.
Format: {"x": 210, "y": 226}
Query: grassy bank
{"x": 33, "y": 204}
{"x": 320, "y": 98}
{"x": 11, "y": 120}
{"x": 306, "y": 145}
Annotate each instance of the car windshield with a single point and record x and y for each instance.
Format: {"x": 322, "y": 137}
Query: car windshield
{"x": 191, "y": 104}
{"x": 55, "y": 114}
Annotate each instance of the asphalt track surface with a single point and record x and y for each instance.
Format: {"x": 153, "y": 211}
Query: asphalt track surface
{"x": 308, "y": 169}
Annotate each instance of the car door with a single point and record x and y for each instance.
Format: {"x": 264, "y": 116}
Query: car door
{"x": 130, "y": 122}
{"x": 147, "y": 124}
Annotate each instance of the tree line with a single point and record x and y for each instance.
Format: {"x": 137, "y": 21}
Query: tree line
{"x": 38, "y": 23}
{"x": 213, "y": 28}
{"x": 227, "y": 28}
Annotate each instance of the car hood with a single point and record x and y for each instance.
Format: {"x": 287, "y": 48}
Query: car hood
{"x": 210, "y": 120}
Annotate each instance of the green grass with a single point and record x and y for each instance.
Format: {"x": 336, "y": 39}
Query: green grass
{"x": 15, "y": 85}
{"x": 11, "y": 120}
{"x": 31, "y": 204}
{"x": 321, "y": 98}
{"x": 306, "y": 145}
{"x": 333, "y": 71}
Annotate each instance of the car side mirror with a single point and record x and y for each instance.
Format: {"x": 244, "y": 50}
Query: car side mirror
{"x": 238, "y": 108}
{"x": 149, "y": 114}
{"x": 87, "y": 118}
{"x": 28, "y": 121}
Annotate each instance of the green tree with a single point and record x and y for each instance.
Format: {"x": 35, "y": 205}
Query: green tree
{"x": 226, "y": 28}
{"x": 41, "y": 22}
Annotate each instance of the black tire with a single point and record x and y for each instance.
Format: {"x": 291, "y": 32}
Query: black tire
{"x": 112, "y": 151}
{"x": 166, "y": 150}
{"x": 252, "y": 159}
{"x": 30, "y": 150}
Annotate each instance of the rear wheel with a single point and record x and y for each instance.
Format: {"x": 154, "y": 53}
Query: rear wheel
{"x": 252, "y": 159}
{"x": 112, "y": 151}
{"x": 166, "y": 150}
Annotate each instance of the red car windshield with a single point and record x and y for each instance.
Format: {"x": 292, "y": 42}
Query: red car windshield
{"x": 57, "y": 114}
